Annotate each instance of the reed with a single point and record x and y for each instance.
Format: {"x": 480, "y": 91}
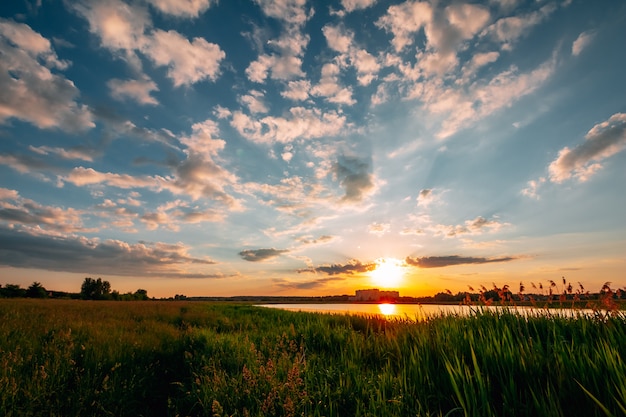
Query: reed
{"x": 71, "y": 357}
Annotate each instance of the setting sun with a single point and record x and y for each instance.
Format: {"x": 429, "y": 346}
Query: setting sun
{"x": 389, "y": 272}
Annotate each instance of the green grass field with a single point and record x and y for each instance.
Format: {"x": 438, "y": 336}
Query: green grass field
{"x": 81, "y": 358}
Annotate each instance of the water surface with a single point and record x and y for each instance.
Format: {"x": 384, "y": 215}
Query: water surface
{"x": 418, "y": 312}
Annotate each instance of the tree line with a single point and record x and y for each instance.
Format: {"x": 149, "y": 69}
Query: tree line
{"x": 91, "y": 289}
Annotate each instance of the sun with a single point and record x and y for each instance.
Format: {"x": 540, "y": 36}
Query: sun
{"x": 389, "y": 272}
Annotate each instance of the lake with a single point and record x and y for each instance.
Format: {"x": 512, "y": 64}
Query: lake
{"x": 417, "y": 312}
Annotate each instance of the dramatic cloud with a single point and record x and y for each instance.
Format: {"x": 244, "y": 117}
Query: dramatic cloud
{"x": 29, "y": 90}
{"x": 443, "y": 261}
{"x": 354, "y": 176}
{"x": 31, "y": 248}
{"x": 352, "y": 267}
{"x": 260, "y": 255}
{"x": 17, "y": 210}
{"x": 601, "y": 142}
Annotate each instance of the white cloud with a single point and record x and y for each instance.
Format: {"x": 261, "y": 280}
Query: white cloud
{"x": 297, "y": 90}
{"x": 182, "y": 8}
{"x": 120, "y": 27}
{"x": 254, "y": 102}
{"x": 601, "y": 142}
{"x": 187, "y": 62}
{"x": 508, "y": 30}
{"x": 300, "y": 124}
{"x": 293, "y": 12}
{"x": 352, "y": 5}
{"x": 582, "y": 41}
{"x": 337, "y": 39}
{"x": 330, "y": 89}
{"x": 29, "y": 90}
{"x": 137, "y": 90}
{"x": 404, "y": 20}
{"x": 532, "y": 190}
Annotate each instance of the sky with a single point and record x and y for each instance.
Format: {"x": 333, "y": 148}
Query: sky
{"x": 290, "y": 147}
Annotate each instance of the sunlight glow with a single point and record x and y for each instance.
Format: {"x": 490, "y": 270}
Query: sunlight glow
{"x": 389, "y": 272}
{"x": 387, "y": 309}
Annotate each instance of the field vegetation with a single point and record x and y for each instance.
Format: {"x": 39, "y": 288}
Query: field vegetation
{"x": 179, "y": 358}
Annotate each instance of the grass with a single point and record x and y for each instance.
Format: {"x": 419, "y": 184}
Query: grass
{"x": 74, "y": 358}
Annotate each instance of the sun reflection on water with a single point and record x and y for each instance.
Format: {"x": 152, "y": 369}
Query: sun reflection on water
{"x": 387, "y": 309}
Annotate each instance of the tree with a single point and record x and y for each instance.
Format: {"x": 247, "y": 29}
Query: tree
{"x": 95, "y": 289}
{"x": 140, "y": 294}
{"x": 36, "y": 290}
{"x": 12, "y": 291}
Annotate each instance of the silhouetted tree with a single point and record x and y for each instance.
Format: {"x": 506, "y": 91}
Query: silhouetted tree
{"x": 95, "y": 289}
{"x": 12, "y": 291}
{"x": 36, "y": 290}
{"x": 140, "y": 294}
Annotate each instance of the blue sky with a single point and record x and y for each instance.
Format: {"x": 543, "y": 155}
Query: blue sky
{"x": 289, "y": 147}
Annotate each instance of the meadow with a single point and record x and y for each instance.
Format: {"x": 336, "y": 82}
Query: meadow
{"x": 177, "y": 358}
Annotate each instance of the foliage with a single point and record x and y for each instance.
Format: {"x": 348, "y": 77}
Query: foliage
{"x": 95, "y": 289}
{"x": 69, "y": 357}
{"x": 36, "y": 290}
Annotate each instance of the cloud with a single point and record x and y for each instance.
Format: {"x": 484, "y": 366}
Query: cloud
{"x": 137, "y": 90}
{"x": 22, "y": 211}
{"x": 426, "y": 197}
{"x": 187, "y": 62}
{"x": 533, "y": 188}
{"x": 182, "y": 8}
{"x": 305, "y": 285}
{"x": 443, "y": 261}
{"x": 300, "y": 123}
{"x": 77, "y": 152}
{"x": 322, "y": 240}
{"x": 23, "y": 247}
{"x": 601, "y": 142}
{"x": 120, "y": 26}
{"x": 126, "y": 30}
{"x": 352, "y": 267}
{"x": 379, "y": 229}
{"x": 352, "y": 5}
{"x": 405, "y": 19}
{"x": 297, "y": 90}
{"x": 476, "y": 226}
{"x": 286, "y": 63}
{"x": 508, "y": 30}
{"x": 260, "y": 255}
{"x": 354, "y": 176}
{"x": 29, "y": 90}
{"x": 582, "y": 41}
{"x": 330, "y": 88}
{"x": 254, "y": 102}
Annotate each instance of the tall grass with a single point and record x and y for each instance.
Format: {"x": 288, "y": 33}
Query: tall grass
{"x": 64, "y": 358}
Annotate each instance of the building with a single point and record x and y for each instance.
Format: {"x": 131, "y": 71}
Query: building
{"x": 375, "y": 294}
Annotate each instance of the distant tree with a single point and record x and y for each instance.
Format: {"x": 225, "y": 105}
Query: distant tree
{"x": 140, "y": 294}
{"x": 36, "y": 290}
{"x": 12, "y": 291}
{"x": 95, "y": 289}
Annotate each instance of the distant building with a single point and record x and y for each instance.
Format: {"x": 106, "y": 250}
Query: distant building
{"x": 375, "y": 294}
